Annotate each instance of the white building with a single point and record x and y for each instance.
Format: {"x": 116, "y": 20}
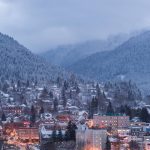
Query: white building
{"x": 90, "y": 138}
{"x": 146, "y": 142}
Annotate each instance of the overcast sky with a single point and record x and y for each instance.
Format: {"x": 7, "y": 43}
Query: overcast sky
{"x": 42, "y": 24}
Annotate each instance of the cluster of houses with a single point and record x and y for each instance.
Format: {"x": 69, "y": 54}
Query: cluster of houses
{"x": 15, "y": 112}
{"x": 16, "y": 127}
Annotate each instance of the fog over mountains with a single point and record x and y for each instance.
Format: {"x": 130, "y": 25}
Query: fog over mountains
{"x": 129, "y": 61}
{"x": 116, "y": 59}
{"x": 66, "y": 55}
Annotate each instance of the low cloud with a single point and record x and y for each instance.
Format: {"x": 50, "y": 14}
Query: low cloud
{"x": 43, "y": 24}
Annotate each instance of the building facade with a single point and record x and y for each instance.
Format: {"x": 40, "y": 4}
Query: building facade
{"x": 27, "y": 134}
{"x": 91, "y": 139}
{"x": 102, "y": 121}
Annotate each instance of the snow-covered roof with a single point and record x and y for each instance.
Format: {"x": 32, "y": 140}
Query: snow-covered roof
{"x": 73, "y": 107}
{"x": 23, "y": 105}
{"x": 47, "y": 116}
{"x": 40, "y": 89}
{"x": 46, "y": 101}
{"x": 81, "y": 113}
{"x": 62, "y": 124}
{"x": 5, "y": 95}
{"x": 46, "y": 133}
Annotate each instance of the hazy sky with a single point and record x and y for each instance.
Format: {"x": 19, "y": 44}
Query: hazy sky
{"x": 42, "y": 24}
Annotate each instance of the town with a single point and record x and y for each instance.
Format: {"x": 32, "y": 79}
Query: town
{"x": 74, "y": 75}
{"x": 70, "y": 115}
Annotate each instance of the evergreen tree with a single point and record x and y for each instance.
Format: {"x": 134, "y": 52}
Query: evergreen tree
{"x": 28, "y": 83}
{"x": 5, "y": 87}
{"x": 134, "y": 145}
{"x": 101, "y": 97}
{"x": 0, "y": 86}
{"x": 93, "y": 106}
{"x": 32, "y": 109}
{"x": 108, "y": 144}
{"x": 18, "y": 84}
{"x": 104, "y": 96}
{"x": 33, "y": 118}
{"x": 48, "y": 146}
{"x": 44, "y": 93}
{"x": 131, "y": 95}
{"x": 71, "y": 133}
{"x": 55, "y": 105}
{"x": 67, "y": 136}
{"x": 22, "y": 98}
{"x": 108, "y": 86}
{"x": 59, "y": 82}
{"x": 12, "y": 82}
{"x": 36, "y": 82}
{"x": 33, "y": 115}
{"x": 60, "y": 136}
{"x": 98, "y": 91}
{"x": 66, "y": 85}
{"x": 72, "y": 80}
{"x": 77, "y": 89}
{"x": 144, "y": 116}
{"x": 110, "y": 109}
{"x": 128, "y": 111}
{"x": 63, "y": 93}
{"x": 136, "y": 112}
{"x": 54, "y": 137}
{"x": 122, "y": 109}
{"x": 70, "y": 94}
{"x": 3, "y": 117}
{"x": 41, "y": 110}
{"x": 90, "y": 110}
{"x": 51, "y": 94}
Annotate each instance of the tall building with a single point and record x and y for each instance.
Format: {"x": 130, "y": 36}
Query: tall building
{"x": 90, "y": 138}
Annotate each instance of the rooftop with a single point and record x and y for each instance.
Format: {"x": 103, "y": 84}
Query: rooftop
{"x": 110, "y": 114}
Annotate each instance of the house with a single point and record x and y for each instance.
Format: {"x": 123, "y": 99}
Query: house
{"x": 13, "y": 109}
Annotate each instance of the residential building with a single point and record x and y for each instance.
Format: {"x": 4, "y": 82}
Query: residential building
{"x": 27, "y": 134}
{"x": 137, "y": 131}
{"x": 104, "y": 121}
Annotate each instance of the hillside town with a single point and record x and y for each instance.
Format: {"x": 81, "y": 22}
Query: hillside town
{"x": 70, "y": 115}
{"x": 74, "y": 75}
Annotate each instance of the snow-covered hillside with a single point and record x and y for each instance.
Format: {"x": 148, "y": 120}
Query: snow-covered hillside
{"x": 18, "y": 63}
{"x": 131, "y": 60}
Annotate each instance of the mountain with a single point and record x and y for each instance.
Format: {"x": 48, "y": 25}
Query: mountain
{"x": 18, "y": 63}
{"x": 70, "y": 54}
{"x": 129, "y": 61}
